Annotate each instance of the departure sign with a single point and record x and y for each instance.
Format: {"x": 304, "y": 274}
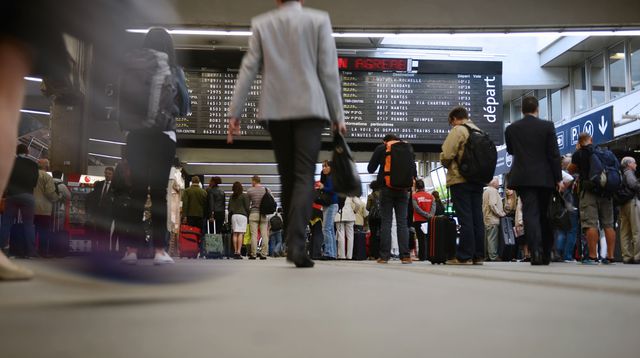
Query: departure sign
{"x": 402, "y": 96}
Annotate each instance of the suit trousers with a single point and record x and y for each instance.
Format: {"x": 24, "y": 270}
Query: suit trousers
{"x": 537, "y": 228}
{"x": 296, "y": 144}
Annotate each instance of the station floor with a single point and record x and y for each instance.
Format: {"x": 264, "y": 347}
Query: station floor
{"x": 224, "y": 308}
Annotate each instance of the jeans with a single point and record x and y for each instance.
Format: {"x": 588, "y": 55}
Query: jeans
{"x": 26, "y": 205}
{"x": 150, "y": 154}
{"x": 328, "y": 231}
{"x": 391, "y": 200}
{"x": 566, "y": 240}
{"x": 276, "y": 239}
{"x": 467, "y": 202}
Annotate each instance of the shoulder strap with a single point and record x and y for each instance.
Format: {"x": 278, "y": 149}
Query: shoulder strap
{"x": 471, "y": 129}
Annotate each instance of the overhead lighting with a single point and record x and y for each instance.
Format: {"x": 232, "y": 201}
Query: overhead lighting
{"x": 617, "y": 56}
{"x": 212, "y": 32}
{"x": 33, "y": 79}
{"x": 106, "y": 141}
{"x": 104, "y": 156}
{"x": 35, "y": 112}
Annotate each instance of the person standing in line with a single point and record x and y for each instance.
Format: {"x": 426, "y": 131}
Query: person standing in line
{"x": 345, "y": 220}
{"x": 566, "y": 239}
{"x": 215, "y": 203}
{"x": 596, "y": 209}
{"x": 391, "y": 200}
{"x": 300, "y": 93}
{"x": 150, "y": 154}
{"x": 424, "y": 208}
{"x": 361, "y": 215}
{"x": 534, "y": 175}
{"x": 630, "y": 214}
{"x": 466, "y": 196}
{"x": 239, "y": 208}
{"x": 329, "y": 210}
{"x": 276, "y": 225}
{"x": 45, "y": 194}
{"x": 257, "y": 220}
{"x": 373, "y": 206}
{"x": 174, "y": 205}
{"x": 19, "y": 199}
{"x": 492, "y": 211}
{"x": 194, "y": 201}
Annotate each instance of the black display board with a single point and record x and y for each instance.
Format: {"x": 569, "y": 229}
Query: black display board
{"x": 413, "y": 103}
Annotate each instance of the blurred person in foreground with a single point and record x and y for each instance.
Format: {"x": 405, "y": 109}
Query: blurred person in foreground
{"x": 300, "y": 93}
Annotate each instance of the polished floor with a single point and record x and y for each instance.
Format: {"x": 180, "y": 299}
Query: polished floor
{"x": 224, "y": 308}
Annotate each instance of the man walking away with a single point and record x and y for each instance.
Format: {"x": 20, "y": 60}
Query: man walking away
{"x": 534, "y": 175}
{"x": 295, "y": 49}
{"x": 466, "y": 196}
{"x": 596, "y": 207}
{"x": 492, "y": 212}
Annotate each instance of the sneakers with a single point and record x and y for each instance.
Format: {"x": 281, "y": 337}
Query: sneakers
{"x": 455, "y": 261}
{"x": 130, "y": 259}
{"x": 606, "y": 261}
{"x": 406, "y": 260}
{"x": 162, "y": 259}
{"x": 570, "y": 261}
{"x": 589, "y": 261}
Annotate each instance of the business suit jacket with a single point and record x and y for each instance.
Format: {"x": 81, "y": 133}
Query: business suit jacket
{"x": 101, "y": 211}
{"x": 536, "y": 158}
{"x": 294, "y": 49}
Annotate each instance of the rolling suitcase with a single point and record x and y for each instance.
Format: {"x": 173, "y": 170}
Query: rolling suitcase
{"x": 226, "y": 240}
{"x": 213, "y": 246}
{"x": 442, "y": 239}
{"x": 189, "y": 241}
{"x": 359, "y": 245}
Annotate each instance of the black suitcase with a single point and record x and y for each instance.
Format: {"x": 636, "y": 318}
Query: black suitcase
{"x": 359, "y": 245}
{"x": 507, "y": 247}
{"x": 442, "y": 239}
{"x": 17, "y": 241}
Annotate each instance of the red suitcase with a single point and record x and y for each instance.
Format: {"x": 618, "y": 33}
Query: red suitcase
{"x": 189, "y": 241}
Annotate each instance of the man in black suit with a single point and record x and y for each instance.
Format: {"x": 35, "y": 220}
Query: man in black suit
{"x": 535, "y": 173}
{"x": 100, "y": 210}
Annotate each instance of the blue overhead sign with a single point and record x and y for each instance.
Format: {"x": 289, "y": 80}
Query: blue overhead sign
{"x": 598, "y": 124}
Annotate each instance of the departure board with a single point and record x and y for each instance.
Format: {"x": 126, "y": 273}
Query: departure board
{"x": 409, "y": 98}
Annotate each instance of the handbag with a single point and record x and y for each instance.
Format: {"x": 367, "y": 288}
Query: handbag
{"x": 323, "y": 198}
{"x": 558, "y": 212}
{"x": 346, "y": 178}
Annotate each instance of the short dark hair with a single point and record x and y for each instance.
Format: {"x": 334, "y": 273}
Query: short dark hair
{"x": 374, "y": 185}
{"x": 419, "y": 184}
{"x": 57, "y": 174}
{"x": 22, "y": 149}
{"x": 390, "y": 137}
{"x": 109, "y": 169}
{"x": 529, "y": 105}
{"x": 256, "y": 179}
{"x": 458, "y": 113}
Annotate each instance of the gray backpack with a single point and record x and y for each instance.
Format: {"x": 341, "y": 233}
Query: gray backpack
{"x": 147, "y": 90}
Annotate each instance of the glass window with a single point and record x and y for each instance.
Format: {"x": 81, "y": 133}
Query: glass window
{"x": 556, "y": 106}
{"x": 616, "y": 71}
{"x": 580, "y": 88}
{"x": 543, "y": 107}
{"x": 596, "y": 68}
{"x": 516, "y": 109}
{"x": 634, "y": 50}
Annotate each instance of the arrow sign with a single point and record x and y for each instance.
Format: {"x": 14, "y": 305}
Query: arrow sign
{"x": 603, "y": 125}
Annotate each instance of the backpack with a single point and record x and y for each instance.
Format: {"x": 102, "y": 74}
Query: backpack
{"x": 399, "y": 165}
{"x": 604, "y": 171}
{"x": 147, "y": 90}
{"x": 478, "y": 162}
{"x": 276, "y": 223}
{"x": 268, "y": 204}
{"x": 374, "y": 211}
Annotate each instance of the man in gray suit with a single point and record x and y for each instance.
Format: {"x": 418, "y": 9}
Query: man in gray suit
{"x": 294, "y": 49}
